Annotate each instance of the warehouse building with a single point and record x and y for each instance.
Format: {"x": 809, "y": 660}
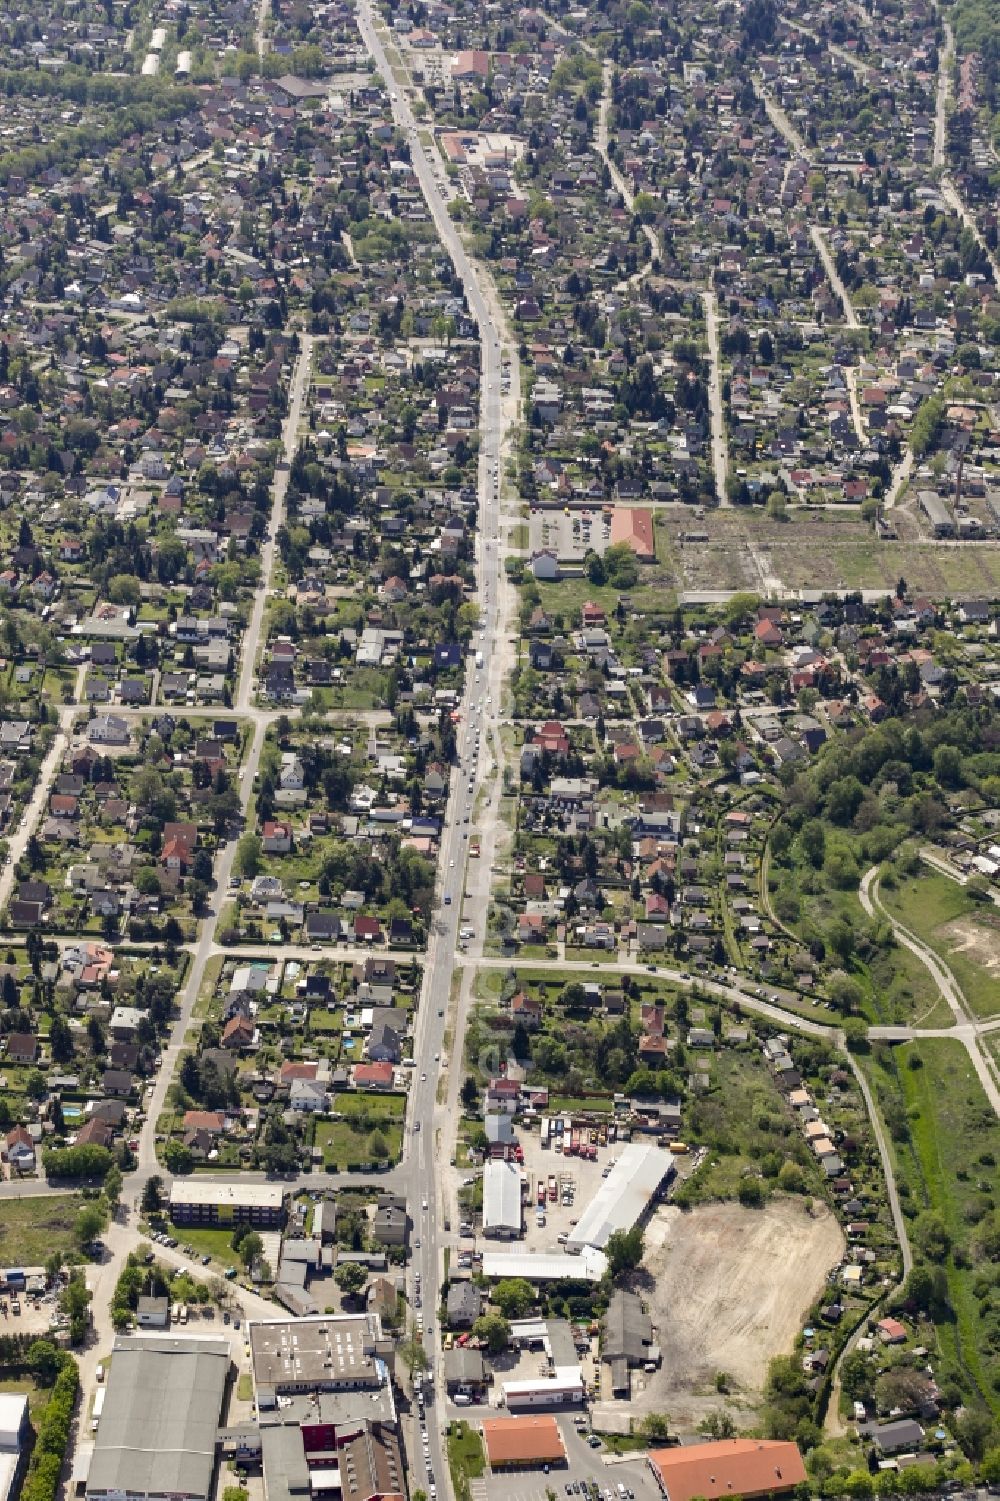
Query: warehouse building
{"x": 15, "y": 1433}
{"x": 523, "y": 1443}
{"x": 502, "y": 1200}
{"x": 160, "y": 1421}
{"x": 626, "y": 1340}
{"x": 202, "y": 1201}
{"x": 625, "y": 1197}
{"x": 545, "y": 1266}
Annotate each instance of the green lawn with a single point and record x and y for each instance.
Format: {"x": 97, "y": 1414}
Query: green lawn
{"x": 206, "y": 1242}
{"x": 957, "y": 927}
{"x": 946, "y": 1139}
{"x": 31, "y": 1229}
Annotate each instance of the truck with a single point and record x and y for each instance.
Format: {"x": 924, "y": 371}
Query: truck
{"x": 541, "y": 1191}
{"x": 98, "y": 1408}
{"x": 553, "y": 1190}
{"x": 544, "y": 1132}
{"x": 479, "y": 659}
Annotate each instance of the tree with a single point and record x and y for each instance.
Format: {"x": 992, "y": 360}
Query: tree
{"x": 251, "y": 1248}
{"x": 624, "y": 1250}
{"x": 113, "y": 1186}
{"x": 857, "y": 1376}
{"x": 350, "y": 1277}
{"x": 514, "y": 1296}
{"x": 177, "y": 1157}
{"x": 88, "y": 1224}
{"x": 44, "y": 1361}
{"x": 655, "y": 1427}
{"x": 494, "y": 1330}
{"x": 152, "y": 1195}
{"x": 412, "y": 1353}
{"x": 932, "y": 1236}
{"x": 60, "y": 1040}
{"x": 378, "y": 1147}
{"x": 751, "y": 1193}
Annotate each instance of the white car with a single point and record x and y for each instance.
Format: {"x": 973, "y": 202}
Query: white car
{"x": 425, "y": 1206}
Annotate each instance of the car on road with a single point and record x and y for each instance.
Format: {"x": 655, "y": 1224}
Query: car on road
{"x": 206, "y": 1260}
{"x": 425, "y": 1206}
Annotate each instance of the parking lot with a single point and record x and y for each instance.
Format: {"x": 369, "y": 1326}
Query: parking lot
{"x": 585, "y": 1468}
{"x": 585, "y": 1178}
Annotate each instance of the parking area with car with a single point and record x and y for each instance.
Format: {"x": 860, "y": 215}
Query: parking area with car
{"x": 589, "y": 1474}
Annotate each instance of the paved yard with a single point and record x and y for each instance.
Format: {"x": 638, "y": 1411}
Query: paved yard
{"x": 584, "y": 1464}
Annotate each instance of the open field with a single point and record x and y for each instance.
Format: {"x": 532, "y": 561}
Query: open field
{"x": 964, "y": 932}
{"x": 728, "y": 1288}
{"x": 820, "y": 550}
{"x": 32, "y": 1229}
{"x": 946, "y": 1140}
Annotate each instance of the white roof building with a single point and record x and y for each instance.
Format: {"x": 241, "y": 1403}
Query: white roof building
{"x": 545, "y": 1266}
{"x": 502, "y": 1200}
{"x": 624, "y": 1196}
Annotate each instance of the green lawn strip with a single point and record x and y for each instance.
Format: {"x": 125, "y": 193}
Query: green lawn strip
{"x": 950, "y": 1126}
{"x": 466, "y": 1459}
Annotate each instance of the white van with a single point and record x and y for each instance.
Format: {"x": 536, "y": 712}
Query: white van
{"x": 462, "y": 1399}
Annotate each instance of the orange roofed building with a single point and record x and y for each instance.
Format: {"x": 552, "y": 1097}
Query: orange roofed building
{"x": 512, "y": 1442}
{"x": 634, "y": 527}
{"x": 729, "y": 1467}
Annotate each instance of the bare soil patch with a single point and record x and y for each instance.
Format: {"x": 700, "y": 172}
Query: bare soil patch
{"x": 979, "y": 942}
{"x": 728, "y": 1288}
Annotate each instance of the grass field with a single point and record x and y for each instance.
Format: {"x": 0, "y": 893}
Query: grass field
{"x": 206, "y": 1242}
{"x": 964, "y": 932}
{"x": 344, "y": 1142}
{"x": 945, "y": 1139}
{"x": 32, "y": 1229}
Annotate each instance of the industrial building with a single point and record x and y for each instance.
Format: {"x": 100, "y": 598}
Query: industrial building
{"x": 562, "y": 1387}
{"x": 360, "y": 1460}
{"x": 545, "y": 1266}
{"x": 14, "y": 1434}
{"x": 518, "y": 1443}
{"x": 502, "y": 1200}
{"x": 728, "y": 1467}
{"x": 160, "y": 1421}
{"x": 326, "y": 1353}
{"x": 202, "y": 1201}
{"x": 625, "y": 1196}
{"x": 626, "y": 1340}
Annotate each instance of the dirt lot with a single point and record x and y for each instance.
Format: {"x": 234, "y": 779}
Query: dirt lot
{"x": 815, "y": 550}
{"x": 977, "y": 941}
{"x": 727, "y": 1290}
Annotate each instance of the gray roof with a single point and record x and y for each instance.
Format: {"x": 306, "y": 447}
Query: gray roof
{"x": 161, "y": 1415}
{"x": 628, "y": 1330}
{"x": 464, "y": 1366}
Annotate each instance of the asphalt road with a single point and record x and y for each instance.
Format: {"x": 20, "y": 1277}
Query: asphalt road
{"x": 479, "y": 708}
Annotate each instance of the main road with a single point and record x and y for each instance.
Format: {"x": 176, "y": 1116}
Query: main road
{"x": 478, "y": 712}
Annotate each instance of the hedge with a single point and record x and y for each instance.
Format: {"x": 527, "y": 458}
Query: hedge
{"x": 42, "y": 1480}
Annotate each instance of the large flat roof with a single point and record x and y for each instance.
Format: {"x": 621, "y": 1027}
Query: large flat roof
{"x": 226, "y": 1191}
{"x": 528, "y": 1440}
{"x": 545, "y": 1266}
{"x": 322, "y": 1351}
{"x": 161, "y": 1415}
{"x": 624, "y": 1195}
